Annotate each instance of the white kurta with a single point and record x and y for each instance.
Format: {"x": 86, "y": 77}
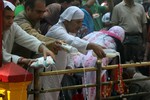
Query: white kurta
{"x": 58, "y": 31}
{"x": 16, "y": 34}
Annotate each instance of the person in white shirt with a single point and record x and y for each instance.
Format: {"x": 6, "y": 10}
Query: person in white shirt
{"x": 13, "y": 33}
{"x": 69, "y": 23}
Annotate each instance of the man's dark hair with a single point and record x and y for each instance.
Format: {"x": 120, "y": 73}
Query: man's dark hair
{"x": 7, "y": 8}
{"x": 62, "y": 1}
{"x": 50, "y": 2}
{"x": 31, "y": 3}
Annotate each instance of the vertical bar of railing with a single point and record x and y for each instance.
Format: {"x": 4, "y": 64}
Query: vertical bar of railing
{"x": 98, "y": 79}
{"x": 1, "y": 28}
{"x": 36, "y": 84}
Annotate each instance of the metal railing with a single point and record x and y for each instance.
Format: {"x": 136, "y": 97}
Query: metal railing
{"x": 98, "y": 84}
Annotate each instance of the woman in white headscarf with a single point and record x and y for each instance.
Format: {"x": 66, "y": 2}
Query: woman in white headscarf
{"x": 68, "y": 25}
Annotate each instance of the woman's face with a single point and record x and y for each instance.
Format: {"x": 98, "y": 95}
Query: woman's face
{"x": 74, "y": 25}
{"x": 46, "y": 13}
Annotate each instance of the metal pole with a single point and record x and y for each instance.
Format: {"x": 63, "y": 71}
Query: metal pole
{"x": 126, "y": 95}
{"x": 36, "y": 84}
{"x": 64, "y": 88}
{"x": 66, "y": 71}
{"x": 98, "y": 79}
{"x": 109, "y": 67}
{"x": 87, "y": 85}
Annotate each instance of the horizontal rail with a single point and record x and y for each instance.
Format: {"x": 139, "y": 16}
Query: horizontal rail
{"x": 137, "y": 64}
{"x": 126, "y": 81}
{"x": 85, "y": 85}
{"x": 126, "y": 95}
{"x": 63, "y": 88}
{"x": 58, "y": 72}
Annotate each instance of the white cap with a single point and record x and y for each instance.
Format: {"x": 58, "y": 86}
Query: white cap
{"x": 72, "y": 13}
{"x": 9, "y": 4}
{"x": 104, "y": 4}
{"x": 106, "y": 17}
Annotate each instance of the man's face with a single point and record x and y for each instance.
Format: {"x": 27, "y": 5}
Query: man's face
{"x": 8, "y": 19}
{"x": 36, "y": 13}
{"x": 74, "y": 25}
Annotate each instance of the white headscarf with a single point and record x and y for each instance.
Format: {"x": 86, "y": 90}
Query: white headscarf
{"x": 71, "y": 13}
{"x": 9, "y": 4}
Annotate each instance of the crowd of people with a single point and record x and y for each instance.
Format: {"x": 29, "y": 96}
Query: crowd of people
{"x": 38, "y": 28}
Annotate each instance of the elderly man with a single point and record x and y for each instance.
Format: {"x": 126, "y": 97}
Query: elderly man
{"x": 29, "y": 20}
{"x": 14, "y": 33}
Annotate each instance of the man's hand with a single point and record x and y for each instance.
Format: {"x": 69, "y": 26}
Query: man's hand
{"x": 98, "y": 50}
{"x": 25, "y": 61}
{"x": 46, "y": 52}
{"x": 54, "y": 46}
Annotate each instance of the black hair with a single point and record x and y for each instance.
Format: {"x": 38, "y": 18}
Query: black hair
{"x": 146, "y": 5}
{"x": 31, "y": 3}
{"x": 50, "y": 2}
{"x": 120, "y": 49}
{"x": 7, "y": 8}
{"x": 62, "y": 1}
